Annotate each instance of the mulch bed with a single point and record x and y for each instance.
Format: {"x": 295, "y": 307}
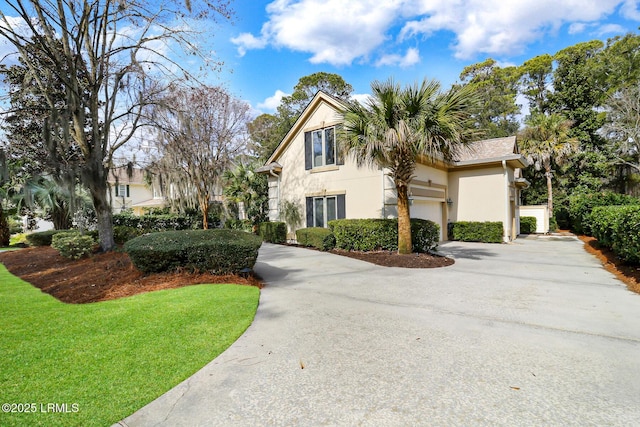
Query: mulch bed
{"x": 629, "y": 274}
{"x": 393, "y": 259}
{"x": 102, "y": 277}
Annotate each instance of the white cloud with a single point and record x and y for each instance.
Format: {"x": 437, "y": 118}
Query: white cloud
{"x": 577, "y": 28}
{"x": 499, "y": 27}
{"x": 412, "y": 57}
{"x": 630, "y": 10}
{"x": 246, "y": 41}
{"x": 8, "y": 52}
{"x": 272, "y": 102}
{"x": 362, "y": 98}
{"x": 340, "y": 32}
{"x": 611, "y": 29}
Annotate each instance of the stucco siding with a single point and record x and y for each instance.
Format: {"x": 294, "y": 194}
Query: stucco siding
{"x": 362, "y": 187}
{"x": 137, "y": 193}
{"x": 478, "y": 195}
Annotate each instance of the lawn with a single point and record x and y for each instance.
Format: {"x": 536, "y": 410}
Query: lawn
{"x": 100, "y": 362}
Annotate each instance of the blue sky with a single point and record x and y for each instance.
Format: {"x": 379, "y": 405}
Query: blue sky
{"x": 273, "y": 43}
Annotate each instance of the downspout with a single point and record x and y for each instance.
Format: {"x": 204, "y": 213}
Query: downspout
{"x": 277, "y": 194}
{"x": 507, "y": 206}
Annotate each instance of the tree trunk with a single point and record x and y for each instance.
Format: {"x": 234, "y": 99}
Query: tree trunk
{"x": 204, "y": 207}
{"x": 405, "y": 245}
{"x": 5, "y": 233}
{"x": 96, "y": 182}
{"x": 548, "y": 174}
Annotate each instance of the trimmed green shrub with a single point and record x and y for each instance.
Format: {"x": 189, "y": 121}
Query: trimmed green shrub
{"x": 318, "y": 237}
{"x": 473, "y": 231}
{"x": 73, "y": 244}
{"x": 553, "y": 224}
{"x": 150, "y": 223}
{"x": 528, "y": 224}
{"x": 425, "y": 235}
{"x": 273, "y": 232}
{"x": 217, "y": 251}
{"x": 122, "y": 233}
{"x": 43, "y": 238}
{"x": 604, "y": 222}
{"x": 618, "y": 228}
{"x": 382, "y": 234}
{"x": 239, "y": 224}
{"x": 626, "y": 234}
{"x": 581, "y": 205}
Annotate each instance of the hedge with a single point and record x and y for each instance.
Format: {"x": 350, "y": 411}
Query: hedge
{"x": 73, "y": 244}
{"x": 163, "y": 222}
{"x": 318, "y": 237}
{"x": 581, "y": 205}
{"x": 618, "y": 228}
{"x": 382, "y": 234}
{"x": 239, "y": 224}
{"x": 273, "y": 232}
{"x": 216, "y": 251}
{"x": 123, "y": 233}
{"x": 43, "y": 238}
{"x": 528, "y": 224}
{"x": 472, "y": 231}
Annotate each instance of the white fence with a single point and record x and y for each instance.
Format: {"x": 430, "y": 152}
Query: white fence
{"x": 541, "y": 213}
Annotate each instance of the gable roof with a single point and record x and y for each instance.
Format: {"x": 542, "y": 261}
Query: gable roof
{"x": 318, "y": 98}
{"x": 120, "y": 175}
{"x": 479, "y": 152}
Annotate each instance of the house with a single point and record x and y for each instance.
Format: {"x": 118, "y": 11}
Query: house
{"x": 484, "y": 184}
{"x": 131, "y": 191}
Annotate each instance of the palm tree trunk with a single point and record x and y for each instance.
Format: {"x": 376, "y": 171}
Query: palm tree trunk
{"x": 405, "y": 245}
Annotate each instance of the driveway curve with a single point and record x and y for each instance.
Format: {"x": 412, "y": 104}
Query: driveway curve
{"x": 530, "y": 333}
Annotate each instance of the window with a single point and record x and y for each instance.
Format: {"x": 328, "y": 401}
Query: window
{"x": 321, "y": 210}
{"x": 122, "y": 190}
{"x": 320, "y": 148}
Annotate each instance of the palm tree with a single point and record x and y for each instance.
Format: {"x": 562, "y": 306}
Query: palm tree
{"x": 399, "y": 125}
{"x": 545, "y": 141}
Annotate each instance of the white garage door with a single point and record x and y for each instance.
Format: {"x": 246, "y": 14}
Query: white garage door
{"x": 430, "y": 210}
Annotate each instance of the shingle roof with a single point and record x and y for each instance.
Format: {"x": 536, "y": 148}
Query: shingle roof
{"x": 495, "y": 148}
{"x": 123, "y": 177}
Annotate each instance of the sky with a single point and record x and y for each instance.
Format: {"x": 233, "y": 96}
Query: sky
{"x": 271, "y": 44}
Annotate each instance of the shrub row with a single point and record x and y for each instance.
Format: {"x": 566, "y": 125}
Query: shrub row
{"x": 472, "y": 231}
{"x": 215, "y": 250}
{"x": 73, "y": 244}
{"x": 581, "y": 205}
{"x": 382, "y": 234}
{"x": 618, "y": 228}
{"x": 43, "y": 238}
{"x": 273, "y": 232}
{"x": 317, "y": 237}
{"x": 239, "y": 224}
{"x": 528, "y": 224}
{"x": 150, "y": 223}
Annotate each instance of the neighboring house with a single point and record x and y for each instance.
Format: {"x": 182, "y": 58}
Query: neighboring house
{"x": 132, "y": 192}
{"x": 484, "y": 184}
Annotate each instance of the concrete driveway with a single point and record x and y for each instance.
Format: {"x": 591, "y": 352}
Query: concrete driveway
{"x": 530, "y": 333}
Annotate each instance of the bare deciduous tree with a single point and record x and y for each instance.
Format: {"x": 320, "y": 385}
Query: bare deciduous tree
{"x": 201, "y": 130}
{"x": 111, "y": 51}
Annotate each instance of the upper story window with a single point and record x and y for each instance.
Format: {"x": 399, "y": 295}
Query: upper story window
{"x": 320, "y": 148}
{"x": 122, "y": 190}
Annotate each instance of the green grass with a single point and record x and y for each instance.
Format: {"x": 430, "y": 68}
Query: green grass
{"x": 110, "y": 358}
